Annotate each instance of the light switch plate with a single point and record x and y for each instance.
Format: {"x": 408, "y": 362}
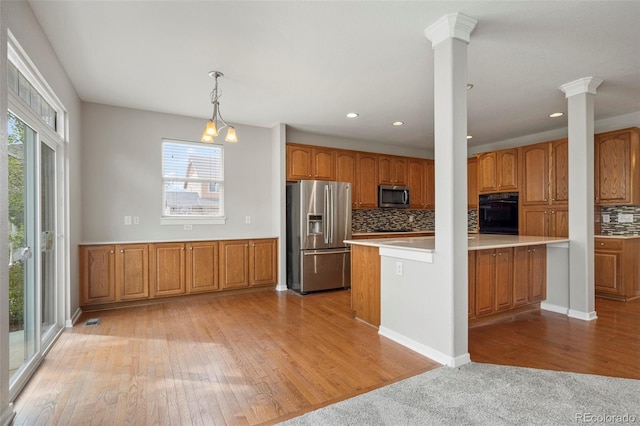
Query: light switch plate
{"x": 606, "y": 218}
{"x": 127, "y": 220}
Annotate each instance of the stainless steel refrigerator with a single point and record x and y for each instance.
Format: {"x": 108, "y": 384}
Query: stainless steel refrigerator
{"x": 318, "y": 221}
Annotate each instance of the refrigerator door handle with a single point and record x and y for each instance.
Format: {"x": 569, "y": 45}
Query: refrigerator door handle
{"x": 327, "y": 217}
{"x": 320, "y": 252}
{"x": 331, "y": 218}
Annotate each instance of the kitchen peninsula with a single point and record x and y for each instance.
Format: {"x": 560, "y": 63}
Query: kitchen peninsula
{"x": 395, "y": 284}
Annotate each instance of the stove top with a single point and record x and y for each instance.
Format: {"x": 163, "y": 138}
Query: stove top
{"x": 393, "y": 230}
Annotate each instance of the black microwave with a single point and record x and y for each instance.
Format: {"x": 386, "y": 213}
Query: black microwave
{"x": 397, "y": 197}
{"x": 498, "y": 213}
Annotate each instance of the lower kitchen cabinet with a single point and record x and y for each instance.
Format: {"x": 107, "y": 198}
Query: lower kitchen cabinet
{"x": 472, "y": 284}
{"x": 493, "y": 281}
{"x": 617, "y": 270}
{"x": 167, "y": 269}
{"x": 529, "y": 274}
{"x": 547, "y": 221}
{"x": 117, "y": 273}
{"x": 202, "y": 267}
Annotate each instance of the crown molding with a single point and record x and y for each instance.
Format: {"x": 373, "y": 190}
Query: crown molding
{"x": 582, "y": 85}
{"x": 452, "y": 25}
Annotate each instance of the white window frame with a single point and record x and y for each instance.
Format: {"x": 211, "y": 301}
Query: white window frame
{"x": 194, "y": 219}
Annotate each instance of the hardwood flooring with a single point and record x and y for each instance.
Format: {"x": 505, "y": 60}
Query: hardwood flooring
{"x": 241, "y": 359}
{"x": 265, "y": 357}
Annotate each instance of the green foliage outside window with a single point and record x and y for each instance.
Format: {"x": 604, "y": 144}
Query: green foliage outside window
{"x": 16, "y": 139}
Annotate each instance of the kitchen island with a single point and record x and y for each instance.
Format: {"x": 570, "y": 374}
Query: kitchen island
{"x": 396, "y": 284}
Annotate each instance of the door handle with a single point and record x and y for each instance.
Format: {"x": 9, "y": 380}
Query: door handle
{"x": 318, "y": 252}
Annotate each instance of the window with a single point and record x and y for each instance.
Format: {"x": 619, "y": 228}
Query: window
{"x": 20, "y": 85}
{"x": 192, "y": 182}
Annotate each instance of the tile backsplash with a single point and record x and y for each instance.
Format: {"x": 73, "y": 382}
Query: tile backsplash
{"x": 423, "y": 220}
{"x": 613, "y": 227}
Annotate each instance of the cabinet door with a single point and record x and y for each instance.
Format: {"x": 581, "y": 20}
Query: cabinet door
{"x": 534, "y": 221}
{"x": 234, "y": 264}
{"x": 367, "y": 180}
{"x": 416, "y": 182}
{"x": 298, "y": 162}
{"x": 504, "y": 279}
{"x": 202, "y": 266}
{"x": 263, "y": 262}
{"x": 507, "y": 169}
{"x": 537, "y": 273}
{"x": 385, "y": 170}
{"x": 472, "y": 284}
{"x": 485, "y": 288}
{"x": 535, "y": 175}
{"x": 560, "y": 171}
{"x": 559, "y": 222}
{"x": 98, "y": 274}
{"x": 323, "y": 164}
{"x": 346, "y": 167}
{"x": 167, "y": 270}
{"x": 132, "y": 271}
{"x": 521, "y": 276}
{"x": 430, "y": 185}
{"x": 472, "y": 183}
{"x": 487, "y": 168}
{"x": 612, "y": 168}
{"x": 608, "y": 273}
{"x": 399, "y": 170}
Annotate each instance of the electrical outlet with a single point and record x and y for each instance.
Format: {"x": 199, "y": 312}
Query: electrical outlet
{"x": 625, "y": 218}
{"x": 127, "y": 220}
{"x": 399, "y": 268}
{"x": 606, "y": 218}
{"x": 136, "y": 220}
{"x": 188, "y": 227}
{"x": 411, "y": 218}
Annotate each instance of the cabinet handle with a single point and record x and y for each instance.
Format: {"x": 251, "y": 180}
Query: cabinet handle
{"x": 111, "y": 251}
{"x": 528, "y": 251}
{"x": 493, "y": 254}
{"x": 121, "y": 251}
{"x": 601, "y": 244}
{"x": 545, "y": 199}
{"x": 553, "y": 212}
{"x": 534, "y": 250}
{"x": 499, "y": 254}
{"x": 182, "y": 248}
{"x": 190, "y": 248}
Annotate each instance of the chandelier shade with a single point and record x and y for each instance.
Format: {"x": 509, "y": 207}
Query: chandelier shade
{"x": 217, "y": 123}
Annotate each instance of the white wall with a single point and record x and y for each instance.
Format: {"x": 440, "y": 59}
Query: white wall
{"x": 122, "y": 177}
{"x": 297, "y": 136}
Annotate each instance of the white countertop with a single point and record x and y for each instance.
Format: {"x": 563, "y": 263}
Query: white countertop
{"x": 476, "y": 242}
{"x": 622, "y": 237}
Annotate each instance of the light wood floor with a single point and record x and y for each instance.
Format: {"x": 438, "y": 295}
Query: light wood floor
{"x": 265, "y": 357}
{"x": 241, "y": 359}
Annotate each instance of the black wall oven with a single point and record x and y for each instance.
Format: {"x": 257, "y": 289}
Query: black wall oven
{"x": 498, "y": 213}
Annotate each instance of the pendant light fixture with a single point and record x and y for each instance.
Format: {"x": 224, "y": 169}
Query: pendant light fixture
{"x": 212, "y": 129}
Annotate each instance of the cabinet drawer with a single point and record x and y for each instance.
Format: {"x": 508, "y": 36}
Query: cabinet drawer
{"x": 608, "y": 244}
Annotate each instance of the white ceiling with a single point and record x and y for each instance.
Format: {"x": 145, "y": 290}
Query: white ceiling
{"x": 307, "y": 63}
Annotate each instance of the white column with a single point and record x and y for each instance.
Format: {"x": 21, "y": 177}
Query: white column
{"x": 449, "y": 37}
{"x": 580, "y": 97}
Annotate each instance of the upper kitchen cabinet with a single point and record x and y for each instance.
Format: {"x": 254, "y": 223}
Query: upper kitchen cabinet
{"x": 365, "y": 194}
{"x": 392, "y": 170}
{"x": 545, "y": 173}
{"x": 472, "y": 183}
{"x": 617, "y": 172}
{"x": 421, "y": 182}
{"x": 498, "y": 171}
{"x": 307, "y": 162}
{"x": 346, "y": 166}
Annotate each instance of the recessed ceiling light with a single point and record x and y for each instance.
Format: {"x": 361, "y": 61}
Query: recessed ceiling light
{"x": 469, "y": 86}
{"x": 397, "y": 123}
{"x": 556, "y": 114}
{"x": 352, "y": 114}
{"x": 469, "y": 137}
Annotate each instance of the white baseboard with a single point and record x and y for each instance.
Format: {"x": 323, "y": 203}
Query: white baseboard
{"x": 585, "y": 316}
{"x": 74, "y": 318}
{"x": 554, "y": 308}
{"x": 425, "y": 350}
{"x": 281, "y": 287}
{"x": 7, "y": 415}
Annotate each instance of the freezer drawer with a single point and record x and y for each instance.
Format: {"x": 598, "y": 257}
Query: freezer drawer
{"x": 325, "y": 270}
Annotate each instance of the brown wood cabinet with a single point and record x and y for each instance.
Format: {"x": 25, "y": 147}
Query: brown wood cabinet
{"x": 430, "y": 185}
{"x": 132, "y": 271}
{"x": 392, "y": 170}
{"x": 346, "y": 166}
{"x": 560, "y": 172}
{"x": 365, "y": 194}
{"x": 472, "y": 183}
{"x": 494, "y": 281}
{"x": 117, "y": 273}
{"x": 263, "y": 262}
{"x": 549, "y": 221}
{"x": 98, "y": 274}
{"x": 529, "y": 274}
{"x": 617, "y": 270}
{"x": 617, "y": 167}
{"x": 310, "y": 162}
{"x": 498, "y": 171}
{"x": 202, "y": 263}
{"x": 472, "y": 284}
{"x": 365, "y": 283}
{"x": 167, "y": 269}
{"x": 416, "y": 181}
